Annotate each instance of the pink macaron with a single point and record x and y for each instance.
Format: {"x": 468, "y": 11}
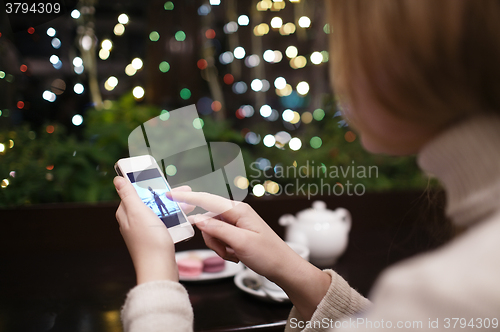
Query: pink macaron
{"x": 190, "y": 267}
{"x": 213, "y": 264}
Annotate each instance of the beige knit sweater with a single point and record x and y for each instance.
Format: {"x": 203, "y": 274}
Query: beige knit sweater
{"x": 461, "y": 280}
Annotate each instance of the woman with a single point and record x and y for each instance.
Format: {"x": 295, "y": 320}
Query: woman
{"x": 414, "y": 77}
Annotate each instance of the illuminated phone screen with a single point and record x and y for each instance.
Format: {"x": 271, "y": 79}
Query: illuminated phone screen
{"x": 151, "y": 188}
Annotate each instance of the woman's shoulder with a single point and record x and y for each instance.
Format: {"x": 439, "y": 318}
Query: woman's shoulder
{"x": 461, "y": 274}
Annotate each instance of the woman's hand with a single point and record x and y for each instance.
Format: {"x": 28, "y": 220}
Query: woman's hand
{"x": 148, "y": 240}
{"x": 237, "y": 233}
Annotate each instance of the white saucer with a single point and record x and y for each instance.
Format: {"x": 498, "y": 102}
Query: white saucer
{"x": 230, "y": 269}
{"x": 272, "y": 295}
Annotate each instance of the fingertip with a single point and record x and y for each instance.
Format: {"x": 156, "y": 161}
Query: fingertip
{"x": 186, "y": 208}
{"x": 200, "y": 221}
{"x": 125, "y": 189}
{"x": 119, "y": 182}
{"x": 191, "y": 219}
{"x": 176, "y": 195}
{"x": 184, "y": 188}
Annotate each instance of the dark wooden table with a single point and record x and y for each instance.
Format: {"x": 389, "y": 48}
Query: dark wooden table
{"x": 66, "y": 268}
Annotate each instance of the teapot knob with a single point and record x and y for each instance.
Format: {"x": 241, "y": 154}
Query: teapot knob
{"x": 319, "y": 205}
{"x": 286, "y": 220}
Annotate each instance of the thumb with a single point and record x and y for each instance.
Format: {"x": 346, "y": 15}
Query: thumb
{"x": 125, "y": 190}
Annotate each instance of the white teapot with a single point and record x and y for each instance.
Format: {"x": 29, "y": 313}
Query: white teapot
{"x": 325, "y": 232}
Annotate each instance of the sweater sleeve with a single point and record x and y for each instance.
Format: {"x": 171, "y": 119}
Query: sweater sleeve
{"x": 157, "y": 306}
{"x": 340, "y": 301}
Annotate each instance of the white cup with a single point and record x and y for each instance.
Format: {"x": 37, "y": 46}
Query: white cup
{"x": 300, "y": 249}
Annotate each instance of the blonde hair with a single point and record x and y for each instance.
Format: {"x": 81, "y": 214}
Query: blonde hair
{"x": 427, "y": 61}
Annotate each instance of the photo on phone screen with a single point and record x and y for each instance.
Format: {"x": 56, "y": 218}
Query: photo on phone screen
{"x": 151, "y": 188}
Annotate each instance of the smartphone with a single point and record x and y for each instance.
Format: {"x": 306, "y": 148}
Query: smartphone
{"x": 149, "y": 182}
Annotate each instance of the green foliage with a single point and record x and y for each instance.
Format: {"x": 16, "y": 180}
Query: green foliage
{"x": 51, "y": 168}
{"x": 334, "y": 161}
{"x": 83, "y": 168}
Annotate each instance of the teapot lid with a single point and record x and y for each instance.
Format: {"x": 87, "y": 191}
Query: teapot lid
{"x": 318, "y": 212}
